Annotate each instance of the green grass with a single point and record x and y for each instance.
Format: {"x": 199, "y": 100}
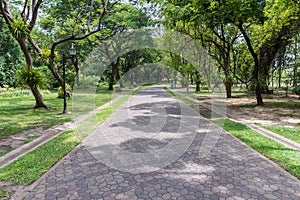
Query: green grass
{"x": 287, "y": 158}
{"x": 289, "y": 133}
{"x": 17, "y": 112}
{"x": 31, "y": 166}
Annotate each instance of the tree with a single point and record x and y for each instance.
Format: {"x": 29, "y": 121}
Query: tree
{"x": 240, "y": 14}
{"x": 265, "y": 27}
{"x": 76, "y": 20}
{"x": 209, "y": 29}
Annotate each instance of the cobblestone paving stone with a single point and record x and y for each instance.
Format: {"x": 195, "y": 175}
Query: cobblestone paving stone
{"x": 231, "y": 170}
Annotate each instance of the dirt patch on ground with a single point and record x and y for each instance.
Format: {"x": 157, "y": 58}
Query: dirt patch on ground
{"x": 278, "y": 110}
{"x": 19, "y": 139}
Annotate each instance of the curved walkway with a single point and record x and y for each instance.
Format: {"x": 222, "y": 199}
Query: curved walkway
{"x": 155, "y": 147}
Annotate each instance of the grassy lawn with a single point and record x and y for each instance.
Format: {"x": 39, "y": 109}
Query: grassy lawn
{"x": 285, "y": 157}
{"x": 17, "y": 112}
{"x": 289, "y": 133}
{"x": 31, "y": 166}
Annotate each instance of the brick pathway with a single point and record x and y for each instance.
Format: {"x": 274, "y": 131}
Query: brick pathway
{"x": 156, "y": 148}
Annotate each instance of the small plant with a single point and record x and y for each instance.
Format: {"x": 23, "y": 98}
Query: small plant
{"x": 60, "y": 91}
{"x": 19, "y": 28}
{"x": 296, "y": 90}
{"x": 31, "y": 77}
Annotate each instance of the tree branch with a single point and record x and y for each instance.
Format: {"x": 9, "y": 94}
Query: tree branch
{"x": 35, "y": 10}
{"x": 90, "y": 15}
{"x": 79, "y": 37}
{"x": 23, "y": 13}
{"x": 35, "y": 46}
{"x": 5, "y": 12}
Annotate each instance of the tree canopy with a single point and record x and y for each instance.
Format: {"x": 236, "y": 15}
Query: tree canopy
{"x": 250, "y": 41}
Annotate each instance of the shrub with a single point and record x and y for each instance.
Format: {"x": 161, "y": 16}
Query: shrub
{"x": 60, "y": 91}
{"x": 31, "y": 76}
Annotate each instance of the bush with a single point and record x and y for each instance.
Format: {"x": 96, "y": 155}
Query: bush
{"x": 31, "y": 77}
{"x": 60, "y": 91}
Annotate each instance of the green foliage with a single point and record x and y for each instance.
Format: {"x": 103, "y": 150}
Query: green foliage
{"x": 19, "y": 28}
{"x": 60, "y": 91}
{"x": 4, "y": 194}
{"x": 31, "y": 76}
{"x": 259, "y": 83}
{"x": 128, "y": 16}
{"x": 45, "y": 60}
{"x": 10, "y": 56}
{"x": 88, "y": 80}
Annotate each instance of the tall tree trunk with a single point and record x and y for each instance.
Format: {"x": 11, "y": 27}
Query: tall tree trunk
{"x": 255, "y": 74}
{"x": 37, "y": 95}
{"x": 295, "y": 78}
{"x": 198, "y": 82}
{"x": 112, "y": 76}
{"x": 279, "y": 77}
{"x": 228, "y": 81}
{"x": 118, "y": 76}
{"x": 39, "y": 102}
{"x": 228, "y": 87}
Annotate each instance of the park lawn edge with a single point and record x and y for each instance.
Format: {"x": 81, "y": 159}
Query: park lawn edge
{"x": 284, "y": 131}
{"x": 25, "y": 169}
{"x": 286, "y": 158}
